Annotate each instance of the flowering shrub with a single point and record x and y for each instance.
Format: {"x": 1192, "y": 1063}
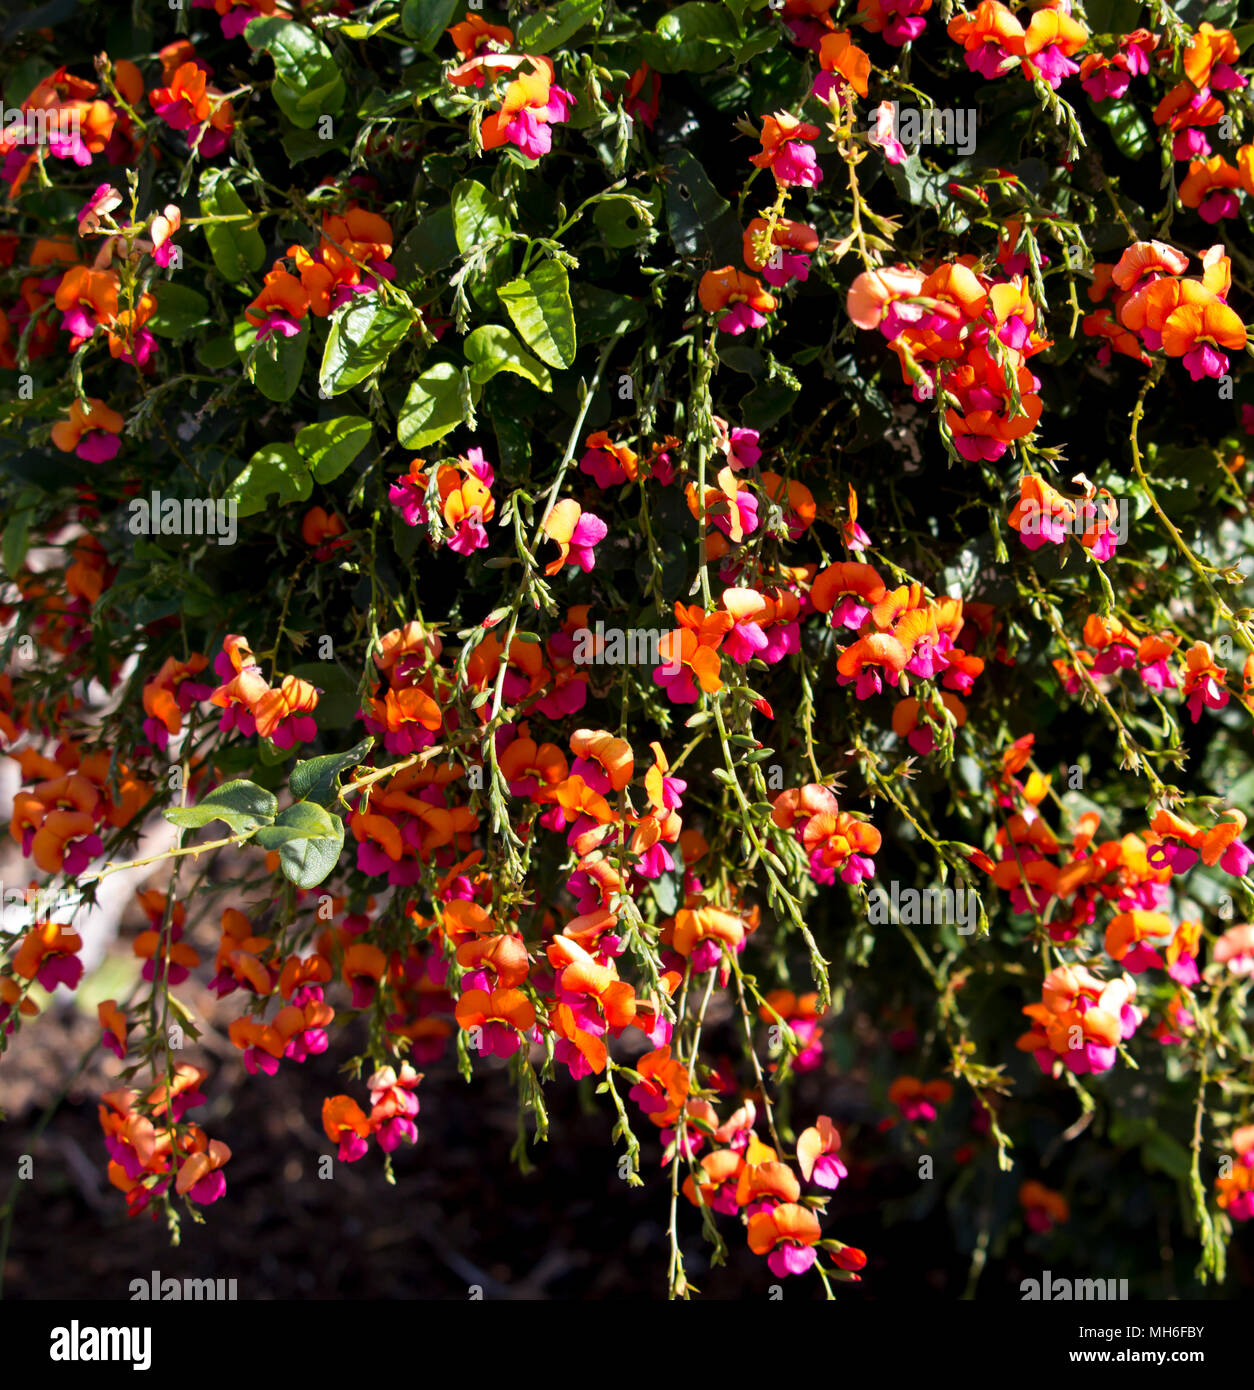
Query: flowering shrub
{"x": 527, "y": 499}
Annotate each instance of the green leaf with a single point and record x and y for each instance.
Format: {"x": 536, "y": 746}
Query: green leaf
{"x": 362, "y": 338}
{"x": 180, "y": 310}
{"x": 1164, "y": 1153}
{"x": 478, "y": 215}
{"x": 543, "y": 32}
{"x": 493, "y": 349}
{"x": 1128, "y": 128}
{"x": 916, "y": 184}
{"x": 277, "y": 468}
{"x": 427, "y": 247}
{"x": 539, "y": 304}
{"x": 17, "y": 531}
{"x": 318, "y": 779}
{"x": 620, "y": 221}
{"x": 276, "y": 366}
{"x": 242, "y": 805}
{"x": 1113, "y": 16}
{"x": 694, "y": 207}
{"x": 432, "y": 408}
{"x": 768, "y": 402}
{"x": 236, "y": 248}
{"x": 695, "y": 37}
{"x": 425, "y": 21}
{"x": 217, "y": 353}
{"x": 665, "y": 894}
{"x": 601, "y": 313}
{"x": 307, "y": 82}
{"x": 329, "y": 446}
{"x": 308, "y": 839}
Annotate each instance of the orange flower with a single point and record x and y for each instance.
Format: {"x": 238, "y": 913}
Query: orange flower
{"x": 720, "y": 1172}
{"x": 789, "y": 235}
{"x": 1042, "y": 513}
{"x": 796, "y": 500}
{"x": 1181, "y": 109}
{"x": 1042, "y": 1207}
{"x": 1129, "y": 929}
{"x": 113, "y": 1023}
{"x": 876, "y": 649}
{"x": 321, "y": 531}
{"x": 195, "y": 1178}
{"x": 362, "y": 968}
{"x": 282, "y": 302}
{"x": 48, "y": 953}
{"x": 504, "y": 954}
{"x": 1203, "y": 186}
{"x": 575, "y": 533}
{"x": 91, "y": 434}
{"x": 1245, "y": 168}
{"x": 1202, "y": 683}
{"x": 691, "y": 650}
{"x": 1120, "y": 340}
{"x": 742, "y": 295}
{"x": 992, "y": 36}
{"x": 917, "y": 1100}
{"x": 1196, "y": 332}
{"x": 474, "y": 33}
{"x": 784, "y": 152}
{"x": 786, "y": 1234}
{"x": 1052, "y": 29}
{"x": 706, "y": 923}
{"x": 88, "y": 298}
{"x": 500, "y": 1016}
{"x": 662, "y": 1088}
{"x": 816, "y": 1150}
{"x": 840, "y": 55}
{"x": 1146, "y": 262}
{"x": 1235, "y": 949}
{"x": 613, "y": 754}
{"x": 1209, "y": 48}
{"x": 532, "y": 102}
{"x": 345, "y": 1124}
{"x": 872, "y": 293}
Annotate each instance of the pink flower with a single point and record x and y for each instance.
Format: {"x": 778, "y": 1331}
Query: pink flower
{"x": 575, "y": 532}
{"x": 885, "y": 133}
{"x": 101, "y": 202}
{"x": 408, "y": 493}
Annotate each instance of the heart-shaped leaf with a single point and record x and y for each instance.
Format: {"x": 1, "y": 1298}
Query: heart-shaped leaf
{"x": 242, "y": 805}
{"x": 539, "y": 304}
{"x": 317, "y": 779}
{"x": 329, "y": 446}
{"x": 493, "y": 348}
{"x": 308, "y": 839}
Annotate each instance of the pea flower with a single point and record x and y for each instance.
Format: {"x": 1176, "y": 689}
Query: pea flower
{"x": 575, "y": 532}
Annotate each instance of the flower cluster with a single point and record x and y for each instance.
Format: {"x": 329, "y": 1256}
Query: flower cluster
{"x": 1157, "y": 309}
{"x": 964, "y": 337}
{"x": 251, "y": 705}
{"x": 633, "y": 622}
